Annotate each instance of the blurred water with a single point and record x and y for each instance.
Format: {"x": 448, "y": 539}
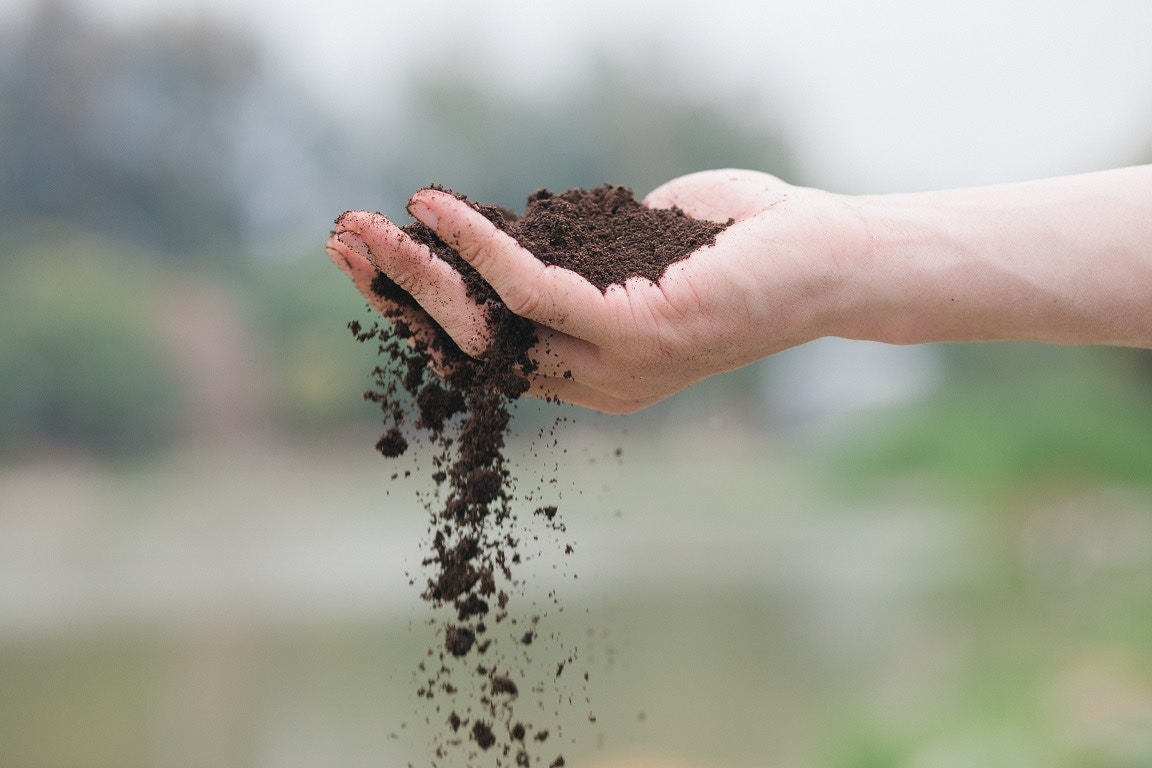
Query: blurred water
{"x": 257, "y": 601}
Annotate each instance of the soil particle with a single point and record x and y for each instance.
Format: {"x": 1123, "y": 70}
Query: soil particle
{"x": 392, "y": 443}
{"x": 605, "y": 235}
{"x": 482, "y": 734}
{"x": 459, "y": 640}
{"x": 502, "y": 684}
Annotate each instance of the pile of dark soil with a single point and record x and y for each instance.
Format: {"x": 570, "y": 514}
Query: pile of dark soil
{"x": 607, "y": 236}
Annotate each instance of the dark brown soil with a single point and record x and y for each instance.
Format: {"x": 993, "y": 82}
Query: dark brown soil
{"x": 604, "y": 234}
{"x": 459, "y": 640}
{"x": 608, "y": 237}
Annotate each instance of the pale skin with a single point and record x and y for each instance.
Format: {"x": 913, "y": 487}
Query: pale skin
{"x": 1065, "y": 260}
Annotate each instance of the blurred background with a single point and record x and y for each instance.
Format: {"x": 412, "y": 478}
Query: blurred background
{"x": 846, "y": 556}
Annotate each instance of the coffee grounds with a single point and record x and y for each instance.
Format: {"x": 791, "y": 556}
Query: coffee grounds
{"x": 608, "y": 237}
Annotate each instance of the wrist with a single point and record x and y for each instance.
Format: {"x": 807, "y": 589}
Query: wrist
{"x": 1065, "y": 260}
{"x": 999, "y": 263}
{"x": 905, "y": 264}
{"x": 876, "y": 255}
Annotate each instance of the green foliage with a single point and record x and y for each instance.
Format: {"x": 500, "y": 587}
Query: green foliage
{"x": 623, "y": 123}
{"x": 127, "y": 134}
{"x": 317, "y": 370}
{"x": 80, "y": 363}
{"x": 1016, "y": 416}
{"x": 859, "y": 747}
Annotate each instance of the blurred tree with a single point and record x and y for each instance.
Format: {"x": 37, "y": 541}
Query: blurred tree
{"x": 121, "y": 136}
{"x": 315, "y": 370}
{"x": 174, "y": 136}
{"x": 177, "y": 138}
{"x": 83, "y": 363}
{"x": 623, "y": 124}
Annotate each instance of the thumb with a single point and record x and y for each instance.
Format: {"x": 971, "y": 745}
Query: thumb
{"x": 719, "y": 195}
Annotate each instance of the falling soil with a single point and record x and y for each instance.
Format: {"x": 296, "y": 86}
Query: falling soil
{"x": 605, "y": 235}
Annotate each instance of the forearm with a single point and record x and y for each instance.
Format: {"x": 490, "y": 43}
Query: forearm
{"x": 1066, "y": 260}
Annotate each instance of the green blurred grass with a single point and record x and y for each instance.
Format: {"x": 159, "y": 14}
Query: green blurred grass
{"x": 760, "y": 620}
{"x": 82, "y": 360}
{"x": 1011, "y": 418}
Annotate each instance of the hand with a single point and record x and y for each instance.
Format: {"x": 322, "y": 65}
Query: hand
{"x": 775, "y": 278}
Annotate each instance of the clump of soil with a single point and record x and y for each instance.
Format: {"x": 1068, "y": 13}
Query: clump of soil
{"x": 605, "y": 235}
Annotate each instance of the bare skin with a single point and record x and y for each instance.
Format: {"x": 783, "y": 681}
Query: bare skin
{"x": 1065, "y": 260}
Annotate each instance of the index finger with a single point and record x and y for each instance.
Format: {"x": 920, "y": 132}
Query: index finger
{"x": 551, "y": 296}
{"x": 432, "y": 283}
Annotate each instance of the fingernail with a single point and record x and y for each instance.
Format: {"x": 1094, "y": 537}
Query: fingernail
{"x": 422, "y": 213}
{"x": 354, "y": 242}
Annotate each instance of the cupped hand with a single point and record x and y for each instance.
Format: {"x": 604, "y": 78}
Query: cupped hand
{"x": 773, "y": 279}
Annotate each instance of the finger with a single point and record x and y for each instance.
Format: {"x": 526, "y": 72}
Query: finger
{"x": 360, "y": 270}
{"x": 556, "y": 354}
{"x": 551, "y": 296}
{"x": 411, "y": 322}
{"x": 414, "y": 269}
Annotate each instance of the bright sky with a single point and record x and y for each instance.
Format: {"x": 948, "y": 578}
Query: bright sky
{"x": 880, "y": 95}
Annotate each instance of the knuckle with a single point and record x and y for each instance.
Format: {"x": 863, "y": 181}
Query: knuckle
{"x": 407, "y": 280}
{"x": 525, "y": 302}
{"x": 478, "y": 245}
{"x": 480, "y": 252}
